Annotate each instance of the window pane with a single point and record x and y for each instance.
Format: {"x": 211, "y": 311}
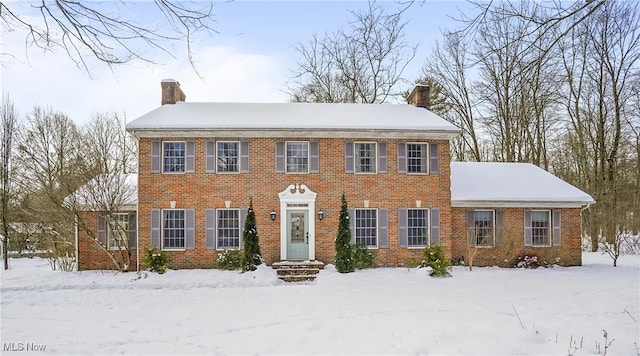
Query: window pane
{"x": 417, "y": 227}
{"x": 416, "y": 157}
{"x": 118, "y": 231}
{"x": 228, "y": 228}
{"x": 365, "y": 157}
{"x": 297, "y": 157}
{"x": 483, "y": 226}
{"x": 228, "y": 156}
{"x": 540, "y": 227}
{"x": 174, "y": 156}
{"x": 366, "y": 227}
{"x": 173, "y": 229}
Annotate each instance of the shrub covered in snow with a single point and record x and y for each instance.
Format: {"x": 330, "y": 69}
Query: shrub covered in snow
{"x": 230, "y": 260}
{"x": 156, "y": 260}
{"x": 252, "y": 256}
{"x": 530, "y": 262}
{"x": 343, "y": 261}
{"x": 361, "y": 256}
{"x": 435, "y": 259}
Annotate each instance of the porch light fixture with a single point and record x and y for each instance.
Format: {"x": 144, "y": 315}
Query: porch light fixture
{"x": 273, "y": 216}
{"x": 320, "y": 215}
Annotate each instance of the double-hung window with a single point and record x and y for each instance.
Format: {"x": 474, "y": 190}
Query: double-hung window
{"x": 417, "y": 227}
{"x": 366, "y": 227}
{"x": 297, "y": 156}
{"x": 118, "y": 232}
{"x": 365, "y": 157}
{"x": 417, "y": 158}
{"x": 173, "y": 156}
{"x": 228, "y": 228}
{"x": 541, "y": 227}
{"x": 173, "y": 229}
{"x": 481, "y": 228}
{"x": 228, "y": 156}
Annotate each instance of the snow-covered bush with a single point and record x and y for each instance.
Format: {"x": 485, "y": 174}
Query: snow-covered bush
{"x": 230, "y": 260}
{"x": 156, "y": 260}
{"x": 530, "y": 262}
{"x": 361, "y": 256}
{"x": 434, "y": 258}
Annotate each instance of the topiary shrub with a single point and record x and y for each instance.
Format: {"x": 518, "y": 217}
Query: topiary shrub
{"x": 230, "y": 260}
{"x": 343, "y": 261}
{"x": 434, "y": 258}
{"x": 156, "y": 260}
{"x": 361, "y": 256}
{"x": 252, "y": 256}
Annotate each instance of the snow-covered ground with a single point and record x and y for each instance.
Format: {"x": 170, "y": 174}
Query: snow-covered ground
{"x": 555, "y": 311}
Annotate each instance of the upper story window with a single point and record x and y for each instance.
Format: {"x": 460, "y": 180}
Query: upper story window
{"x": 173, "y": 156}
{"x": 481, "y": 227}
{"x": 228, "y": 156}
{"x": 417, "y": 158}
{"x": 365, "y": 157}
{"x": 297, "y": 157}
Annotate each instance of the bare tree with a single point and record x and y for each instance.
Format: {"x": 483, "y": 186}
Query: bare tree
{"x": 9, "y": 117}
{"x": 362, "y": 64}
{"x": 109, "y": 32}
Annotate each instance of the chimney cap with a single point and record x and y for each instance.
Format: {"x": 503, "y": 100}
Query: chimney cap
{"x": 169, "y": 80}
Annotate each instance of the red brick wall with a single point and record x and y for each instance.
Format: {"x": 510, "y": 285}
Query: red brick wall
{"x": 91, "y": 256}
{"x": 506, "y": 255}
{"x": 201, "y": 190}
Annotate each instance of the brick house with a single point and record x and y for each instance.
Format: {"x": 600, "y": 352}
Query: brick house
{"x": 201, "y": 163}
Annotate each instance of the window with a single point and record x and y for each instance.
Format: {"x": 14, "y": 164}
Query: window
{"x": 417, "y": 158}
{"x": 365, "y": 157}
{"x": 118, "y": 232}
{"x": 417, "y": 227}
{"x": 228, "y": 156}
{"x": 173, "y": 156}
{"x": 297, "y": 157}
{"x": 366, "y": 227}
{"x": 540, "y": 227}
{"x": 482, "y": 228}
{"x": 173, "y": 229}
{"x": 228, "y": 228}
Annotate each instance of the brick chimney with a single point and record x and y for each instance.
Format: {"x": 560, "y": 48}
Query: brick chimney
{"x": 171, "y": 92}
{"x": 420, "y": 96}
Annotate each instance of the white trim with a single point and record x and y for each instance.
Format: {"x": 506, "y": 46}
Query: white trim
{"x": 428, "y": 239}
{"x": 215, "y": 232}
{"x": 297, "y": 194}
{"x": 549, "y": 229}
{"x": 162, "y": 248}
{"x": 427, "y": 158}
{"x": 77, "y": 268}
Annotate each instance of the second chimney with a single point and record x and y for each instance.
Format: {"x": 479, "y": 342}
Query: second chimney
{"x": 171, "y": 92}
{"x": 420, "y": 96}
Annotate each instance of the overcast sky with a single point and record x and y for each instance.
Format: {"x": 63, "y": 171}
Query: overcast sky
{"x": 248, "y": 60}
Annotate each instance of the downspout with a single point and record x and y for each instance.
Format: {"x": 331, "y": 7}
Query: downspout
{"x": 77, "y": 246}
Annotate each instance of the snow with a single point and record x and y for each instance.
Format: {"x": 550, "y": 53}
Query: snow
{"x": 294, "y": 116}
{"x": 489, "y": 184}
{"x": 559, "y": 310}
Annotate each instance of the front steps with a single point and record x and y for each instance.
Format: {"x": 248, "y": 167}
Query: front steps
{"x": 297, "y": 271}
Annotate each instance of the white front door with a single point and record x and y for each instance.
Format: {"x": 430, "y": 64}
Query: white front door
{"x": 298, "y": 234}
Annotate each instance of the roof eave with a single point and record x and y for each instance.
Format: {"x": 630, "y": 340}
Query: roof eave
{"x": 519, "y": 203}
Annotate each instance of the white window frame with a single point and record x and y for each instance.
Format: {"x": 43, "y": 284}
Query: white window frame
{"x": 427, "y": 238}
{"x": 217, "y": 234}
{"x": 286, "y": 156}
{"x": 184, "y": 158}
{"x": 110, "y": 241}
{"x": 184, "y": 230}
{"x": 549, "y": 228}
{"x": 425, "y": 157}
{"x": 218, "y": 158}
{"x": 493, "y": 235}
{"x": 355, "y": 227}
{"x": 356, "y": 158}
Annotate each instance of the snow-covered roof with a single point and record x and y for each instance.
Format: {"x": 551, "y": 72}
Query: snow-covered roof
{"x": 493, "y": 184}
{"x": 106, "y": 190}
{"x": 320, "y": 119}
